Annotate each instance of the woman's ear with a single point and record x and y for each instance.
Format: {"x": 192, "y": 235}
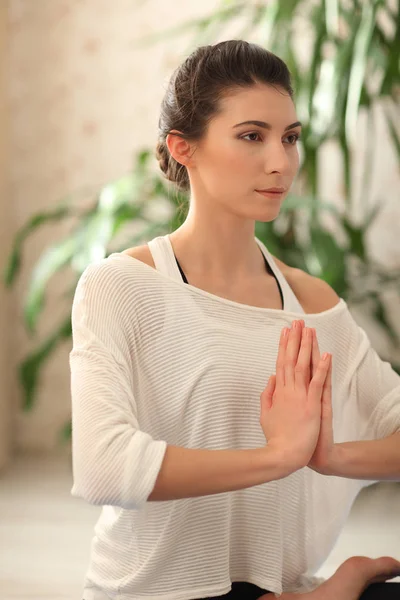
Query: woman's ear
{"x": 181, "y": 150}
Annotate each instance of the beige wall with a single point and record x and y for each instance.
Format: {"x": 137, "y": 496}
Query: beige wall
{"x": 7, "y": 391}
{"x": 83, "y": 98}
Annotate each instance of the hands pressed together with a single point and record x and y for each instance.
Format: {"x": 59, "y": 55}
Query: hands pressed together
{"x": 296, "y": 417}
{"x": 296, "y": 405}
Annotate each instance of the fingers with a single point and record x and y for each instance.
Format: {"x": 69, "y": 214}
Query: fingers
{"x": 318, "y": 381}
{"x": 302, "y": 370}
{"x": 266, "y": 396}
{"x": 292, "y": 352}
{"x": 298, "y": 356}
{"x": 280, "y": 361}
{"x": 316, "y": 356}
{"x": 327, "y": 394}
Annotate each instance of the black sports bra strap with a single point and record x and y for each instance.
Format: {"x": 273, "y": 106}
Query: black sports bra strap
{"x": 270, "y": 271}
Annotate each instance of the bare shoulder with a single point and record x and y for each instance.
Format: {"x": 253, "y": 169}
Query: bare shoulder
{"x": 314, "y": 294}
{"x": 141, "y": 253}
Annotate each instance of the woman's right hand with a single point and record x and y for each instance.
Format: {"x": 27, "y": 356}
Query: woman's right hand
{"x": 290, "y": 412}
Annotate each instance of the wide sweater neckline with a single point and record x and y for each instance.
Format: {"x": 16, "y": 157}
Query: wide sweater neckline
{"x": 167, "y": 268}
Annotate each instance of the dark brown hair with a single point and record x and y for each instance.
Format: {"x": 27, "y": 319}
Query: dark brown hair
{"x": 197, "y": 85}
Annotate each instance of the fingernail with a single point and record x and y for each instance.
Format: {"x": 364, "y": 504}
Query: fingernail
{"x": 325, "y": 356}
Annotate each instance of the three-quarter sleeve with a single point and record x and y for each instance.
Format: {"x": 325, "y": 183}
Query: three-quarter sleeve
{"x": 374, "y": 384}
{"x": 114, "y": 461}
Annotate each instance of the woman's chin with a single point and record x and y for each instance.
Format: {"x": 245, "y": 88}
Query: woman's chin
{"x": 265, "y": 215}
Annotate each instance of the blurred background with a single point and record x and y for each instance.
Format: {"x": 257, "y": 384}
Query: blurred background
{"x": 80, "y": 88}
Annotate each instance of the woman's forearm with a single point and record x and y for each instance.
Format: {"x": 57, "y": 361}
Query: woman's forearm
{"x": 187, "y": 472}
{"x": 377, "y": 460}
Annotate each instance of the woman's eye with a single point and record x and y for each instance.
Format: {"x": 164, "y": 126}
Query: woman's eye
{"x": 254, "y": 136}
{"x": 254, "y": 133}
{"x": 294, "y": 137}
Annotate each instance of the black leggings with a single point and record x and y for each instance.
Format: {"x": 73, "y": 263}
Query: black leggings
{"x": 241, "y": 590}
{"x": 386, "y": 591}
{"x": 248, "y": 591}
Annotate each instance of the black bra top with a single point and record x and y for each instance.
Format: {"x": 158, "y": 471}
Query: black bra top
{"x": 270, "y": 271}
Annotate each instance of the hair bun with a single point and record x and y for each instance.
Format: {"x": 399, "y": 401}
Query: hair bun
{"x": 163, "y": 156}
{"x": 172, "y": 170}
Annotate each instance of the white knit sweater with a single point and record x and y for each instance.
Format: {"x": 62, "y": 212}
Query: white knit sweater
{"x": 156, "y": 361}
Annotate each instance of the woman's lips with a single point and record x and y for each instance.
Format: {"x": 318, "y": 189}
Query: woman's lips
{"x": 271, "y": 194}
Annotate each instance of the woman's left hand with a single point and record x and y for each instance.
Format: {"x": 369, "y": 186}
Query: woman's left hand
{"x": 325, "y": 449}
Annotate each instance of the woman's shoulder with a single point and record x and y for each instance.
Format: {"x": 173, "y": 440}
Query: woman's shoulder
{"x": 107, "y": 278}
{"x": 315, "y": 295}
{"x": 141, "y": 253}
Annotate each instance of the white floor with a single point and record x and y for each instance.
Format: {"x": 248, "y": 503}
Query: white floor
{"x": 45, "y": 533}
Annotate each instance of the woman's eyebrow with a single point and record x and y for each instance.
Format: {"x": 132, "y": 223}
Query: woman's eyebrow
{"x": 266, "y": 125}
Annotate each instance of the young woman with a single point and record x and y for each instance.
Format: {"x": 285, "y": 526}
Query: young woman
{"x": 203, "y": 411}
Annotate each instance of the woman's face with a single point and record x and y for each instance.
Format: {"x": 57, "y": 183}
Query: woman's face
{"x": 234, "y": 160}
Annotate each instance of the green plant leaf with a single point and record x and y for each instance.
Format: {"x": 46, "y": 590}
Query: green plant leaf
{"x": 326, "y": 259}
{"x": 66, "y": 432}
{"x": 356, "y": 239}
{"x": 51, "y": 262}
{"x": 148, "y": 232}
{"x": 369, "y": 153}
{"x": 31, "y": 367}
{"x": 396, "y": 367}
{"x": 268, "y": 22}
{"x": 370, "y": 218}
{"x": 283, "y": 26}
{"x": 394, "y": 134}
{"x": 381, "y": 316}
{"x": 331, "y": 18}
{"x": 296, "y": 202}
{"x": 36, "y": 221}
{"x": 391, "y": 77}
{"x": 220, "y": 15}
{"x": 316, "y": 53}
{"x": 342, "y": 68}
{"x": 346, "y": 162}
{"x": 117, "y": 202}
{"x": 358, "y": 67}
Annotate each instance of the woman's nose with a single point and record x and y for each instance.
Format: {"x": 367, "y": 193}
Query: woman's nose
{"x": 277, "y": 159}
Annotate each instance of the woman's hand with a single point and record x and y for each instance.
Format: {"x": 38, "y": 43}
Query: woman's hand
{"x": 291, "y": 402}
{"x": 325, "y": 449}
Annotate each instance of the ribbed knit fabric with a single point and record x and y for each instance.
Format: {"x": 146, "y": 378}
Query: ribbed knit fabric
{"x": 156, "y": 361}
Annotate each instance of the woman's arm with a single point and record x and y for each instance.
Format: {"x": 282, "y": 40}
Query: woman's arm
{"x": 186, "y": 472}
{"x": 375, "y": 460}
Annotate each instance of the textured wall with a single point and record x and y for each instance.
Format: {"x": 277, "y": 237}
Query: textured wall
{"x": 83, "y": 98}
{"x": 6, "y": 219}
